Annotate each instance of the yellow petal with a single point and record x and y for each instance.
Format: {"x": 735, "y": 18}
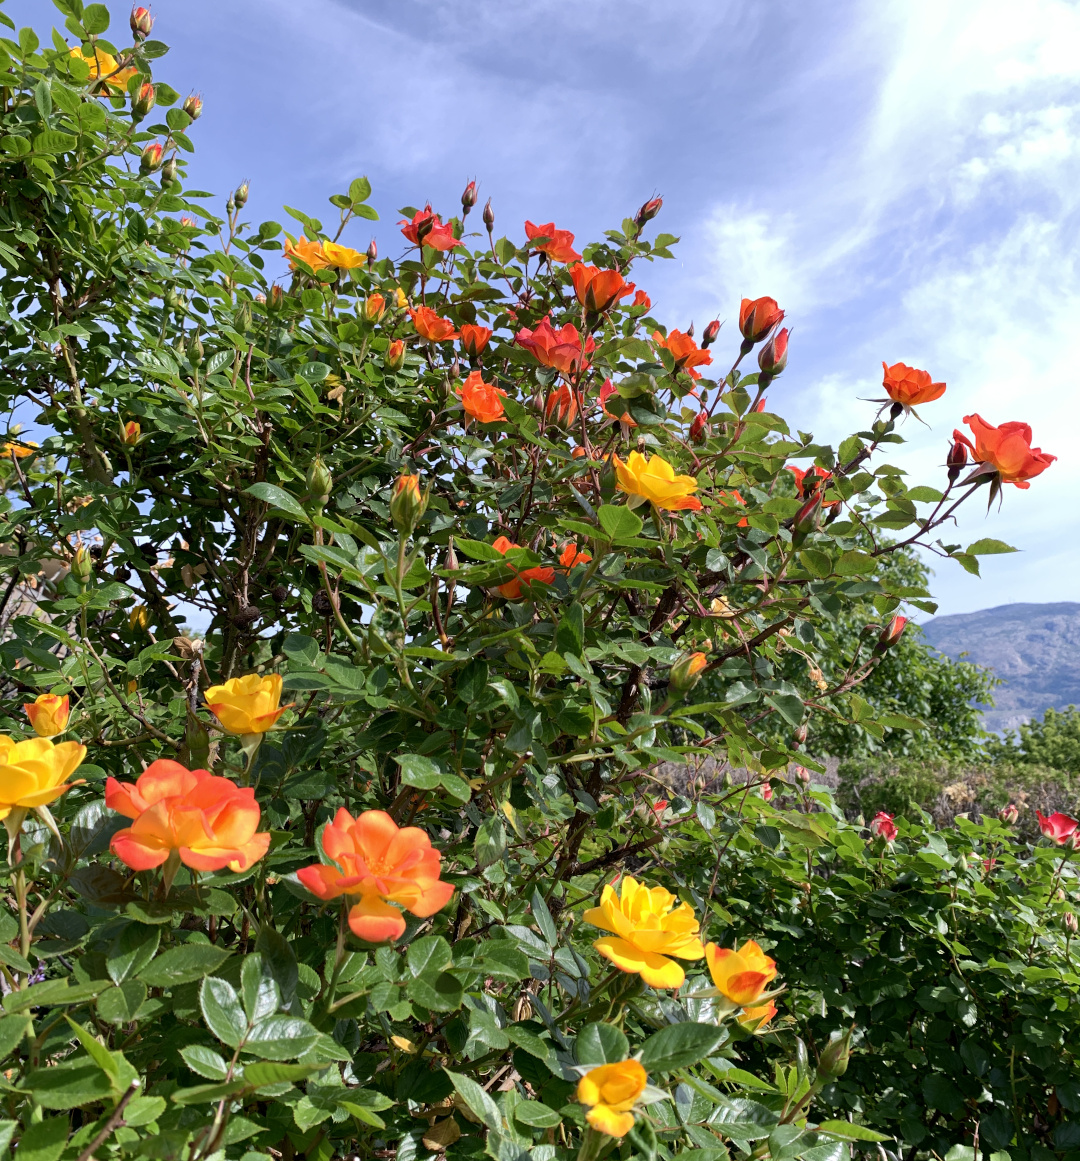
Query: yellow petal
{"x": 656, "y": 970}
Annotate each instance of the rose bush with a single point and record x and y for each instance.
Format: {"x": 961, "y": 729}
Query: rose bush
{"x": 368, "y": 660}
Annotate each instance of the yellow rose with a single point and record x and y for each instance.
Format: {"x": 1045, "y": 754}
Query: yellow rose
{"x": 655, "y": 480}
{"x": 648, "y": 927}
{"x": 48, "y": 714}
{"x": 32, "y": 774}
{"x": 611, "y": 1091}
{"x": 103, "y": 66}
{"x": 399, "y": 299}
{"x": 246, "y": 705}
{"x": 342, "y": 256}
{"x": 740, "y": 975}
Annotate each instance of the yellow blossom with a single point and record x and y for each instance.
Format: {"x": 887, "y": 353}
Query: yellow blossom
{"x": 103, "y": 67}
{"x": 611, "y": 1091}
{"x": 48, "y": 714}
{"x": 655, "y": 480}
{"x": 742, "y": 974}
{"x": 34, "y": 773}
{"x": 342, "y": 256}
{"x": 247, "y": 705}
{"x": 647, "y": 928}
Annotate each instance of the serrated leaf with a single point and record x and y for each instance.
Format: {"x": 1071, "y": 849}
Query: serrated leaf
{"x": 679, "y": 1045}
{"x": 183, "y": 965}
{"x": 477, "y": 1101}
{"x": 619, "y": 522}
{"x": 205, "y": 1061}
{"x": 222, "y": 1011}
{"x": 988, "y": 547}
{"x": 279, "y": 498}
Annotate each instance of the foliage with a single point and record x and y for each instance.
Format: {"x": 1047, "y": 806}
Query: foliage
{"x": 1052, "y": 740}
{"x": 487, "y": 616}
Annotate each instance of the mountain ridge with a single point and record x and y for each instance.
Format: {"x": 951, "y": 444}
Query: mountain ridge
{"x": 1034, "y": 649}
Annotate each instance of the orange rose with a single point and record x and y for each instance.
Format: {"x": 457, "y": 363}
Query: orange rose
{"x": 562, "y": 349}
{"x": 431, "y": 327}
{"x": 380, "y": 864}
{"x": 686, "y": 353}
{"x": 428, "y": 228}
{"x": 512, "y": 589}
{"x": 606, "y": 393}
{"x": 185, "y": 816}
{"x": 642, "y": 299}
{"x": 730, "y": 500}
{"x": 1006, "y": 448}
{"x": 909, "y": 387}
{"x": 307, "y": 251}
{"x": 482, "y": 401}
{"x": 395, "y": 355}
{"x": 571, "y": 555}
{"x": 48, "y": 714}
{"x": 757, "y": 317}
{"x": 558, "y": 245}
{"x": 755, "y": 1019}
{"x": 740, "y": 975}
{"x": 598, "y": 289}
{"x": 474, "y": 338}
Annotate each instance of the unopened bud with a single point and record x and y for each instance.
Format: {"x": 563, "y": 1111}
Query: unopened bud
{"x": 800, "y": 735}
{"x": 130, "y": 433}
{"x": 196, "y": 351}
{"x": 139, "y": 618}
{"x": 835, "y": 1057}
{"x": 690, "y": 331}
{"x": 319, "y": 482}
{"x": 168, "y": 174}
{"x": 395, "y": 355}
{"x": 956, "y": 460}
{"x": 407, "y": 504}
{"x": 240, "y": 194}
{"x": 803, "y": 775}
{"x": 374, "y": 307}
{"x": 648, "y": 211}
{"x": 686, "y": 673}
{"x": 468, "y": 198}
{"x": 193, "y": 105}
{"x": 757, "y": 317}
{"x": 275, "y": 298}
{"x": 1069, "y": 919}
{"x": 772, "y": 358}
{"x": 806, "y": 520}
{"x": 451, "y": 559}
{"x": 712, "y": 331}
{"x": 1073, "y": 841}
{"x": 82, "y": 565}
{"x": 242, "y": 317}
{"x": 489, "y": 216}
{"x": 144, "y": 101}
{"x": 890, "y": 634}
{"x": 1009, "y": 814}
{"x": 141, "y": 22}
{"x": 699, "y": 427}
{"x": 372, "y": 253}
{"x": 150, "y": 158}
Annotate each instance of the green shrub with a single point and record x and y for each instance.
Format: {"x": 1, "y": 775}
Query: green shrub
{"x": 1052, "y": 740}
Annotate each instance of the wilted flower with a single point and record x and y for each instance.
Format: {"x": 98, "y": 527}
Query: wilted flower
{"x": 649, "y": 926}
{"x": 378, "y": 864}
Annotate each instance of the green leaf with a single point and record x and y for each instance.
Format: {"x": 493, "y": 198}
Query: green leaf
{"x": 43, "y": 1141}
{"x": 478, "y": 549}
{"x": 359, "y": 190}
{"x": 301, "y": 647}
{"x": 184, "y": 964}
{"x": 679, "y": 1045}
{"x": 439, "y": 991}
{"x": 619, "y": 522}
{"x": 851, "y": 1132}
{"x": 132, "y": 950}
{"x": 119, "y": 1005}
{"x": 43, "y": 99}
{"x": 52, "y": 141}
{"x": 490, "y": 841}
{"x": 854, "y": 563}
{"x": 570, "y": 635}
{"x": 536, "y": 1115}
{"x": 788, "y": 706}
{"x": 70, "y": 1084}
{"x": 543, "y": 919}
{"x": 419, "y": 771}
{"x": 222, "y": 1012}
{"x": 816, "y": 562}
{"x": 601, "y": 1044}
{"x": 260, "y": 1072}
{"x": 281, "y": 1038}
{"x": 95, "y": 19}
{"x": 205, "y": 1061}
{"x": 432, "y": 952}
{"x": 989, "y": 548}
{"x": 279, "y": 498}
{"x": 477, "y": 1101}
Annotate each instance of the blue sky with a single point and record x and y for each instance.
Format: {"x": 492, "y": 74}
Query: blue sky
{"x": 902, "y": 175}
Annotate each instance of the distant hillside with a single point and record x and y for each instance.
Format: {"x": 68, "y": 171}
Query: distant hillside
{"x": 1034, "y": 649}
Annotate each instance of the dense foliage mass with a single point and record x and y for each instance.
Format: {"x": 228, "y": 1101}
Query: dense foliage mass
{"x": 377, "y": 862}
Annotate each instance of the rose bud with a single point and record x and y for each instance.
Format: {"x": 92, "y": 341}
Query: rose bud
{"x": 150, "y": 159}
{"x": 130, "y": 433}
{"x": 806, "y": 520}
{"x": 757, "y": 317}
{"x": 275, "y": 298}
{"x": 686, "y": 672}
{"x": 473, "y": 338}
{"x": 168, "y": 174}
{"x": 374, "y": 307}
{"x": 141, "y": 22}
{"x": 1069, "y": 919}
{"x": 468, "y": 198}
{"x": 193, "y": 106}
{"x": 489, "y": 216}
{"x": 82, "y": 566}
{"x": 395, "y": 355}
{"x": 890, "y": 634}
{"x": 648, "y": 211}
{"x": 319, "y": 482}
{"x": 407, "y": 504}
{"x": 800, "y": 735}
{"x": 711, "y": 333}
{"x": 956, "y": 460}
{"x": 803, "y": 775}
{"x": 772, "y": 358}
{"x": 882, "y": 826}
{"x": 240, "y": 194}
{"x": 372, "y": 253}
{"x": 1009, "y": 814}
{"x": 699, "y": 426}
{"x": 144, "y": 101}
{"x": 834, "y": 1057}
